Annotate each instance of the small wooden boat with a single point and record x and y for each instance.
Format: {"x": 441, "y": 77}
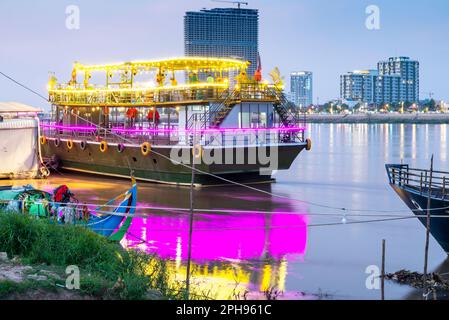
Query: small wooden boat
{"x": 109, "y": 220}
{"x": 115, "y": 225}
{"x": 414, "y": 188}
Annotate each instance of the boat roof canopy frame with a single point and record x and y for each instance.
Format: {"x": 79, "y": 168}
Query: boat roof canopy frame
{"x": 177, "y": 64}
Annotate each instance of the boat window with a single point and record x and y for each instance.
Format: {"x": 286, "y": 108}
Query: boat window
{"x": 263, "y": 120}
{"x": 245, "y": 116}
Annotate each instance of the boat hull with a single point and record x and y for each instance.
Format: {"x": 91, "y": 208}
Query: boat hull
{"x": 439, "y": 221}
{"x": 158, "y": 166}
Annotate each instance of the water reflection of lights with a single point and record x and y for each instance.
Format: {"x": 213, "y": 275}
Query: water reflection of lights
{"x": 222, "y": 236}
{"x": 414, "y": 141}
{"x": 386, "y": 129}
{"x": 443, "y": 153}
{"x": 402, "y": 139}
{"x": 228, "y": 257}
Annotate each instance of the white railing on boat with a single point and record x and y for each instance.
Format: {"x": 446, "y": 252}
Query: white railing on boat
{"x": 165, "y": 135}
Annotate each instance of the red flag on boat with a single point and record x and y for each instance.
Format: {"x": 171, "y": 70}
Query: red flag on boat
{"x": 258, "y": 72}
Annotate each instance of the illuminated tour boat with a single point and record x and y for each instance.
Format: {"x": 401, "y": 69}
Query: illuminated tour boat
{"x": 158, "y": 119}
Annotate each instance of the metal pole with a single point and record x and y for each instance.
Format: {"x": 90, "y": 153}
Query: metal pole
{"x": 444, "y": 187}
{"x": 426, "y": 255}
{"x": 420, "y": 184}
{"x": 408, "y": 176}
{"x": 383, "y": 271}
{"x": 189, "y": 255}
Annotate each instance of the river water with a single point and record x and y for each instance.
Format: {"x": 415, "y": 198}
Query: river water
{"x": 302, "y": 247}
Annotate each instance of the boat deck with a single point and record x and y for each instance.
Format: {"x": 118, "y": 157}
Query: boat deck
{"x": 169, "y": 135}
{"x": 420, "y": 181}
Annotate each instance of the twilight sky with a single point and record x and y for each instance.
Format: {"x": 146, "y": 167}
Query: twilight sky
{"x": 327, "y": 37}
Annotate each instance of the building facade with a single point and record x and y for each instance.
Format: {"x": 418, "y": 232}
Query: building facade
{"x": 358, "y": 85}
{"x": 408, "y": 70}
{"x": 387, "y": 89}
{"x": 223, "y": 32}
{"x": 301, "y": 88}
{"x": 394, "y": 81}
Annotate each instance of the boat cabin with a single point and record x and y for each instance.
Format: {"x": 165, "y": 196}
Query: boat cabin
{"x": 166, "y": 101}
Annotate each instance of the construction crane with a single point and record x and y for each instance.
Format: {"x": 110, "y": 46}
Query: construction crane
{"x": 238, "y": 3}
{"x": 431, "y": 94}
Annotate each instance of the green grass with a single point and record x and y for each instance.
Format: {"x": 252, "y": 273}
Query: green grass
{"x": 107, "y": 270}
{"x": 9, "y": 287}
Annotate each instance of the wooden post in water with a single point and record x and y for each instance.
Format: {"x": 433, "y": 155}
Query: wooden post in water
{"x": 189, "y": 255}
{"x": 383, "y": 271}
{"x": 426, "y": 253}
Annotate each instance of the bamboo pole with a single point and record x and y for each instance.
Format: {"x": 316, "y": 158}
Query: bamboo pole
{"x": 189, "y": 256}
{"x": 426, "y": 253}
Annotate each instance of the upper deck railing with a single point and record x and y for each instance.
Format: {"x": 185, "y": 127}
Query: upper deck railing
{"x": 187, "y": 94}
{"x": 172, "y": 135}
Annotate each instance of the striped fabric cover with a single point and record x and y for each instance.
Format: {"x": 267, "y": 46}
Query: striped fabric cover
{"x": 18, "y": 123}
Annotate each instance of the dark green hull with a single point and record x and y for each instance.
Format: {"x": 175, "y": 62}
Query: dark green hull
{"x": 157, "y": 166}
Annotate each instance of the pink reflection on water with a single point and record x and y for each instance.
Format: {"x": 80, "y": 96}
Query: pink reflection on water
{"x": 221, "y": 236}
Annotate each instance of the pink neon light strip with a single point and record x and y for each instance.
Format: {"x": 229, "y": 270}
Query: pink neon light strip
{"x": 72, "y": 128}
{"x": 210, "y": 130}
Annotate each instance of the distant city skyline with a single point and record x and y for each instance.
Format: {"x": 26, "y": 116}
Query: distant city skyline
{"x": 394, "y": 81}
{"x": 328, "y": 38}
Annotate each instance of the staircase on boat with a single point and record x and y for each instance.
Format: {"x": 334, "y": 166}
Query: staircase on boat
{"x": 219, "y": 111}
{"x": 285, "y": 109}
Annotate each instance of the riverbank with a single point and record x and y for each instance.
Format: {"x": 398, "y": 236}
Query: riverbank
{"x": 412, "y": 118}
{"x": 19, "y": 281}
{"x": 37, "y": 258}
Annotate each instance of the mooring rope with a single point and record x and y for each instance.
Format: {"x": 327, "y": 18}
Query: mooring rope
{"x": 94, "y": 207}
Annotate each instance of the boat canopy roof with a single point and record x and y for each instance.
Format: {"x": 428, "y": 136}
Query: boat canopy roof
{"x": 16, "y": 107}
{"x": 176, "y": 64}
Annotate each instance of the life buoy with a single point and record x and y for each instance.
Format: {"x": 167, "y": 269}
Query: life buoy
{"x": 70, "y": 144}
{"x": 120, "y": 147}
{"x": 83, "y": 145}
{"x": 309, "y": 144}
{"x": 43, "y": 140}
{"x": 197, "y": 151}
{"x": 103, "y": 146}
{"x": 57, "y": 142}
{"x": 145, "y": 148}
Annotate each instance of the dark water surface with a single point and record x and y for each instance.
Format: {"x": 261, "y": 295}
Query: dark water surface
{"x": 293, "y": 249}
